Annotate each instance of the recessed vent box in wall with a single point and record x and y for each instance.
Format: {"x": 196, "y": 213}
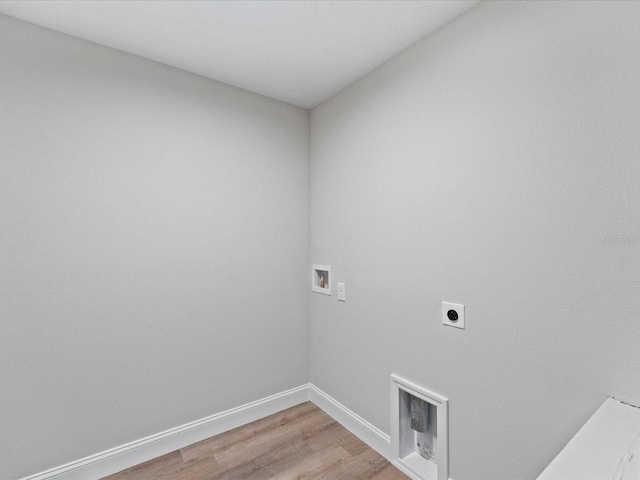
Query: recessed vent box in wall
{"x": 419, "y": 431}
{"x": 321, "y": 279}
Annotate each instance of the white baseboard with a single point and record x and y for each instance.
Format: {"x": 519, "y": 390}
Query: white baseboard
{"x": 369, "y": 434}
{"x": 139, "y": 451}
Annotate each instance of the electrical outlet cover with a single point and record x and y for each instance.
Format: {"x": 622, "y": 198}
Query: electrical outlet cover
{"x": 453, "y": 315}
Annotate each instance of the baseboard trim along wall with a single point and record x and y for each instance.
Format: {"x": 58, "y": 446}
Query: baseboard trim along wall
{"x": 368, "y": 433}
{"x": 139, "y": 451}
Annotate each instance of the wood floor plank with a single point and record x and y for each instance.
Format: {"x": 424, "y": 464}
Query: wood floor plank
{"x": 317, "y": 464}
{"x": 268, "y": 464}
{"x": 334, "y": 435}
{"x": 238, "y": 436}
{"x": 158, "y": 468}
{"x": 359, "y": 467}
{"x": 389, "y": 473}
{"x": 300, "y": 443}
{"x": 203, "y": 468}
{"x": 353, "y": 444}
{"x": 268, "y": 441}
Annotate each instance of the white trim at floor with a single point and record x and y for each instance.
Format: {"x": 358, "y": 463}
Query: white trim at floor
{"x": 125, "y": 456}
{"x": 368, "y": 433}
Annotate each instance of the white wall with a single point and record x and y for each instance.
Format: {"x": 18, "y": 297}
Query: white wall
{"x": 487, "y": 165}
{"x": 153, "y": 248}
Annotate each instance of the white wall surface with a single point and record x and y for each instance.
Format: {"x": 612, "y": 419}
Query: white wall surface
{"x": 494, "y": 164}
{"x": 153, "y": 248}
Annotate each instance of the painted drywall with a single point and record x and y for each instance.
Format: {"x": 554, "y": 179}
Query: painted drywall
{"x": 153, "y": 248}
{"x": 495, "y": 164}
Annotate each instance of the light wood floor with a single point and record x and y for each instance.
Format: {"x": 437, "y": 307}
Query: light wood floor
{"x": 302, "y": 442}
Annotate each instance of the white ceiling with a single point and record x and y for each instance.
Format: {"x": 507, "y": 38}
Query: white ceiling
{"x": 301, "y": 52}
